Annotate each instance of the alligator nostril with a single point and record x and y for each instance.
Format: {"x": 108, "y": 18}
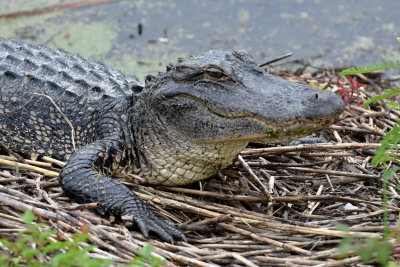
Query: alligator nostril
{"x": 316, "y": 96}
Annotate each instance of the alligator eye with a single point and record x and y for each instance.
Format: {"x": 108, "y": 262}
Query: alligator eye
{"x": 216, "y": 75}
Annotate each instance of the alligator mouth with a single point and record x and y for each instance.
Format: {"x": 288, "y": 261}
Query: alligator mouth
{"x": 260, "y": 129}
{"x": 291, "y": 130}
{"x": 287, "y": 131}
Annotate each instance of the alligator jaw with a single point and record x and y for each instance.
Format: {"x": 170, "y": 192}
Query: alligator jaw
{"x": 286, "y": 132}
{"x": 292, "y": 130}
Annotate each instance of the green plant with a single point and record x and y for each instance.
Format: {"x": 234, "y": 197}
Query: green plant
{"x": 145, "y": 258}
{"x": 370, "y": 68}
{"x": 367, "y": 249}
{"x": 389, "y": 93}
{"x": 374, "y": 248}
{"x": 34, "y": 246}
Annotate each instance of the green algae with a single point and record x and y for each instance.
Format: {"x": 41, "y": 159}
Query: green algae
{"x": 9, "y": 28}
{"x": 93, "y": 40}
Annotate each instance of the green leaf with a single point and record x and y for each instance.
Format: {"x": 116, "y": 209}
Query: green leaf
{"x": 342, "y": 227}
{"x": 392, "y": 91}
{"x": 389, "y": 93}
{"x": 5, "y": 242}
{"x": 16, "y": 247}
{"x": 365, "y": 253}
{"x": 393, "y": 105}
{"x": 62, "y": 259}
{"x": 388, "y": 143}
{"x": 383, "y": 252}
{"x": 155, "y": 262}
{"x": 25, "y": 239}
{"x": 146, "y": 251}
{"x": 370, "y": 68}
{"x": 138, "y": 261}
{"x": 3, "y": 260}
{"x": 44, "y": 235}
{"x": 390, "y": 173}
{"x": 145, "y": 258}
{"x": 398, "y": 39}
{"x": 79, "y": 238}
{"x": 54, "y": 246}
{"x": 28, "y": 217}
{"x": 346, "y": 245}
{"x": 392, "y": 264}
{"x": 29, "y": 253}
{"x": 87, "y": 249}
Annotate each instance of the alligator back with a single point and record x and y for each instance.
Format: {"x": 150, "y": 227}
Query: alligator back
{"x": 45, "y": 93}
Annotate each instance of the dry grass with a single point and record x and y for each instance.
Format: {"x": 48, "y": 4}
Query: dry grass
{"x": 275, "y": 206}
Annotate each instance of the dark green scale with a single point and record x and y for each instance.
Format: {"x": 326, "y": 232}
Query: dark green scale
{"x": 39, "y": 86}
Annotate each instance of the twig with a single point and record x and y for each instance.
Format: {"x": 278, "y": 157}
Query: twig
{"x": 255, "y": 179}
{"x": 83, "y": 206}
{"x": 54, "y": 161}
{"x": 243, "y": 260}
{"x": 265, "y": 239}
{"x": 64, "y": 117}
{"x": 276, "y": 59}
{"x": 29, "y": 167}
{"x": 317, "y": 146}
{"x": 332, "y": 172}
{"x": 343, "y": 262}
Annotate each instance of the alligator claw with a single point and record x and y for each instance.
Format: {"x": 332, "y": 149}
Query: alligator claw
{"x": 148, "y": 221}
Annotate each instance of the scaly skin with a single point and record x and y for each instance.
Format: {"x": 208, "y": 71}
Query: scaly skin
{"x": 182, "y": 126}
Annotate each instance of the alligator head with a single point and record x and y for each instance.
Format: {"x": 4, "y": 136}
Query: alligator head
{"x": 220, "y": 96}
{"x": 225, "y": 98}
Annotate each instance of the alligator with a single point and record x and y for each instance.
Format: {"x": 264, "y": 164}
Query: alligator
{"x": 177, "y": 127}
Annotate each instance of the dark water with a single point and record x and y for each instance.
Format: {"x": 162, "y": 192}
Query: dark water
{"x": 142, "y": 36}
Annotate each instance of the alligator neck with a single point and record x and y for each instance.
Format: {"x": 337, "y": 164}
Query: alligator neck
{"x": 169, "y": 159}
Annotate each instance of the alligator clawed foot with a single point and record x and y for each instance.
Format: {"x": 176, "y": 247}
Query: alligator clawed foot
{"x": 148, "y": 221}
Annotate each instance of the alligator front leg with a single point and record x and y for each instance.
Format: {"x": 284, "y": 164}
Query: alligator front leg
{"x": 82, "y": 178}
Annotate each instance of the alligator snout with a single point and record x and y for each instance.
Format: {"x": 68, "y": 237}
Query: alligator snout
{"x": 322, "y": 104}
